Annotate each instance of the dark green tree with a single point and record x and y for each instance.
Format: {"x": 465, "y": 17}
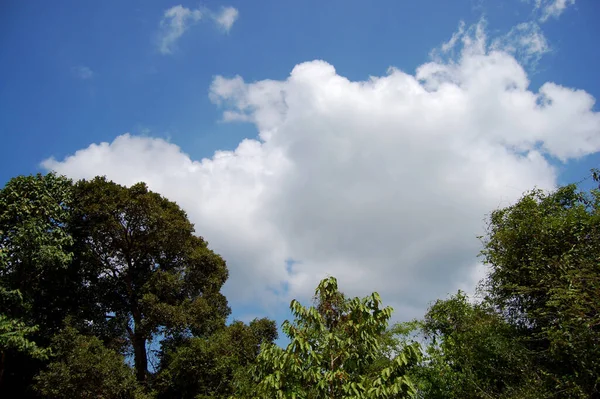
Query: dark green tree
{"x": 544, "y": 255}
{"x": 152, "y": 275}
{"x": 214, "y": 367}
{"x": 336, "y": 351}
{"x": 83, "y": 368}
{"x": 14, "y": 334}
{"x": 472, "y": 352}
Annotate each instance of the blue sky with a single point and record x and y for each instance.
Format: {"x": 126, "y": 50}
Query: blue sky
{"x": 77, "y": 73}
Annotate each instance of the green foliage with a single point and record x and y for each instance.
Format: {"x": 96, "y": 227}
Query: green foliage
{"x": 474, "y": 353}
{"x": 213, "y": 367}
{"x": 536, "y": 334}
{"x": 13, "y": 333}
{"x": 124, "y": 266}
{"x": 13, "y": 336}
{"x": 35, "y": 261}
{"x": 84, "y": 368}
{"x": 33, "y": 210}
{"x": 35, "y": 249}
{"x": 336, "y": 351}
{"x": 545, "y": 279}
{"x": 151, "y": 273}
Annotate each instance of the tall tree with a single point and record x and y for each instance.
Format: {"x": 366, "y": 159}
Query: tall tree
{"x": 544, "y": 255}
{"x": 152, "y": 274}
{"x": 336, "y": 351}
{"x": 35, "y": 261}
{"x": 36, "y": 249}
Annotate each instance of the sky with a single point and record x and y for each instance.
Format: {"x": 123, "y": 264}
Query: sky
{"x": 363, "y": 140}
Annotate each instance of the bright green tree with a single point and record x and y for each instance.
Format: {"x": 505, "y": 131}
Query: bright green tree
{"x": 36, "y": 261}
{"x": 36, "y": 249}
{"x": 149, "y": 271}
{"x": 336, "y": 351}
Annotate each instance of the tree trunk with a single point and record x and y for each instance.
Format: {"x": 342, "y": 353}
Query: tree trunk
{"x": 140, "y": 357}
{"x": 138, "y": 340}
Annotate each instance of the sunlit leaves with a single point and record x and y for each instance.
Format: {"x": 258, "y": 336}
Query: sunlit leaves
{"x": 333, "y": 349}
{"x": 13, "y": 335}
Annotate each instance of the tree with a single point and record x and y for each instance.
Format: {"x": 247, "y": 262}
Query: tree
{"x": 543, "y": 253}
{"x": 13, "y": 334}
{"x": 336, "y": 352}
{"x": 35, "y": 262}
{"x": 473, "y": 352}
{"x": 83, "y": 368}
{"x": 150, "y": 272}
{"x": 213, "y": 367}
{"x": 36, "y": 249}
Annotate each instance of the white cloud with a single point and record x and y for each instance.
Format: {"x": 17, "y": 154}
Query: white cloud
{"x": 175, "y": 22}
{"x": 82, "y": 72}
{"x": 552, "y": 8}
{"x": 226, "y": 18}
{"x": 468, "y": 40}
{"x": 383, "y": 183}
{"x": 450, "y": 44}
{"x": 178, "y": 19}
{"x": 526, "y": 41}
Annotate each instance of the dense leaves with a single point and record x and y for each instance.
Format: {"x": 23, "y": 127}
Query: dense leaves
{"x": 535, "y": 333}
{"x": 474, "y": 353}
{"x": 36, "y": 249}
{"x": 334, "y": 349}
{"x": 93, "y": 274}
{"x": 214, "y": 367}
{"x": 122, "y": 264}
{"x": 83, "y": 368}
{"x": 152, "y": 274}
{"x": 544, "y": 254}
{"x": 36, "y": 267}
{"x": 14, "y": 334}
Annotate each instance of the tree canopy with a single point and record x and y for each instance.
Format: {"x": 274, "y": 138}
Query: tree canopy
{"x": 121, "y": 263}
{"x": 534, "y": 332}
{"x": 336, "y": 351}
{"x": 151, "y": 273}
{"x": 83, "y": 368}
{"x": 93, "y": 274}
{"x": 215, "y": 367}
{"x": 544, "y": 256}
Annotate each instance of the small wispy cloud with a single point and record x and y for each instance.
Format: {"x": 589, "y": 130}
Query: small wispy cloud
{"x": 178, "y": 19}
{"x": 525, "y": 41}
{"x": 552, "y": 8}
{"x": 175, "y": 22}
{"x": 226, "y": 18}
{"x": 82, "y": 72}
{"x": 466, "y": 39}
{"x": 450, "y": 44}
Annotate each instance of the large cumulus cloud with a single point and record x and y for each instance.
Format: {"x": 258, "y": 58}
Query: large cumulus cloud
{"x": 383, "y": 183}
